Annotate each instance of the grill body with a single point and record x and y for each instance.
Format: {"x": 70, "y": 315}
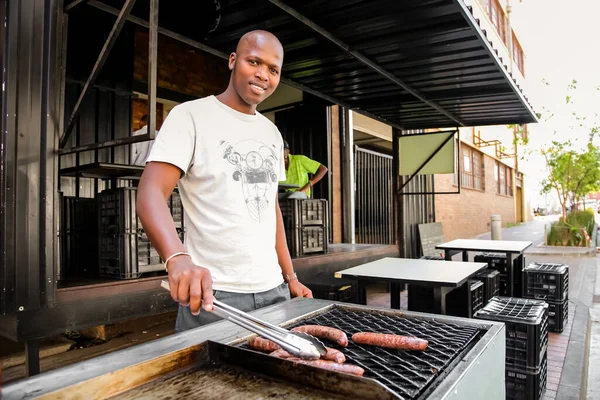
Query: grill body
{"x": 465, "y": 359}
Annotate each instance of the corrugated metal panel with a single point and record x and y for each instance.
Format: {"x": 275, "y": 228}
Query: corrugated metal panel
{"x": 28, "y": 140}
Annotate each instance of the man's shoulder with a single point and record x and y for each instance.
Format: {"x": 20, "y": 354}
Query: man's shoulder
{"x": 193, "y": 106}
{"x": 266, "y": 121}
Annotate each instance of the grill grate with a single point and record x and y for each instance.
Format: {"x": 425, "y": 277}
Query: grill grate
{"x": 408, "y": 373}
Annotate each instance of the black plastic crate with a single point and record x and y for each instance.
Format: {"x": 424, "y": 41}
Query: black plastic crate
{"x": 420, "y": 299}
{"x": 465, "y": 300}
{"x": 546, "y": 281}
{"x": 498, "y": 262}
{"x": 527, "y": 385}
{"x": 117, "y": 210}
{"x": 298, "y": 213}
{"x": 78, "y": 231}
{"x": 125, "y": 251}
{"x": 477, "y": 295}
{"x": 307, "y": 240}
{"x": 327, "y": 287}
{"x": 491, "y": 283}
{"x": 558, "y": 315}
{"x": 526, "y": 322}
{"x": 128, "y": 255}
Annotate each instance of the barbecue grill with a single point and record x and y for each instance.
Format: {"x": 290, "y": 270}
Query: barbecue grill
{"x": 464, "y": 359}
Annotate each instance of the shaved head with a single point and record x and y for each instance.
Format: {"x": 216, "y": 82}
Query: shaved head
{"x": 259, "y": 39}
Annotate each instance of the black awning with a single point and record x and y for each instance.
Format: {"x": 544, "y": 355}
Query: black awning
{"x": 412, "y": 63}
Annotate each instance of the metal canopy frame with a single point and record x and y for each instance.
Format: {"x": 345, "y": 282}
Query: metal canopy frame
{"x": 457, "y": 45}
{"x": 455, "y": 136}
{"x": 122, "y": 16}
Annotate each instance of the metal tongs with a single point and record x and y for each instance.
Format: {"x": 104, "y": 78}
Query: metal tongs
{"x": 299, "y": 344}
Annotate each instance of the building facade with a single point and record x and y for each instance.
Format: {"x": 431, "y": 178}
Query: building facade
{"x": 490, "y": 179}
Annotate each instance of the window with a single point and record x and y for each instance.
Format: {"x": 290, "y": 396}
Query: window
{"x": 503, "y": 176}
{"x": 518, "y": 56}
{"x": 496, "y": 14}
{"x": 472, "y": 174}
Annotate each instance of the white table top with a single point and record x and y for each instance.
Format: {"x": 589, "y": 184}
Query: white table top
{"x": 424, "y": 272}
{"x": 500, "y": 246}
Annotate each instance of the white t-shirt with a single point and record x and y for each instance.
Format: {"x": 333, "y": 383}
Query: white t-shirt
{"x": 232, "y": 164}
{"x": 141, "y": 150}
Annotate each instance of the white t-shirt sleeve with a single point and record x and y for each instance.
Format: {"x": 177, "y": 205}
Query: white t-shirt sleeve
{"x": 177, "y": 140}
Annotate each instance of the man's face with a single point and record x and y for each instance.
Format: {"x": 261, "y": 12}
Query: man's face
{"x": 286, "y": 154}
{"x": 256, "y": 68}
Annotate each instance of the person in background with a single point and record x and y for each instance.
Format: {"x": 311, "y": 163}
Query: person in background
{"x": 297, "y": 168}
{"x": 141, "y": 150}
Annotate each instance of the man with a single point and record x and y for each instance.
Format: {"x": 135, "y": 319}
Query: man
{"x": 297, "y": 168}
{"x": 141, "y": 150}
{"x": 228, "y": 160}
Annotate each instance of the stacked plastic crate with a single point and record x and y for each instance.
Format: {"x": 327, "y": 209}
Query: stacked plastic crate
{"x": 549, "y": 282}
{"x": 125, "y": 251}
{"x": 526, "y": 322}
{"x": 466, "y": 300}
{"x": 306, "y": 225}
{"x": 498, "y": 262}
{"x": 491, "y": 283}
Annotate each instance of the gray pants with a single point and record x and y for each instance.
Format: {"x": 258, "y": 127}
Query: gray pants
{"x": 242, "y": 301}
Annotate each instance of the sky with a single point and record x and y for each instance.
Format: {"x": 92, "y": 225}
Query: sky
{"x": 561, "y": 42}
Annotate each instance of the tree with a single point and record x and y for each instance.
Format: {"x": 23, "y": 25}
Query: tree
{"x": 573, "y": 165}
{"x": 572, "y": 174}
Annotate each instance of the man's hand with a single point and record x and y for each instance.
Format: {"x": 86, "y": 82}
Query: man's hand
{"x": 190, "y": 284}
{"x": 297, "y": 289}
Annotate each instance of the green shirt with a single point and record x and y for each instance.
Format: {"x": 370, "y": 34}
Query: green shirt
{"x": 298, "y": 169}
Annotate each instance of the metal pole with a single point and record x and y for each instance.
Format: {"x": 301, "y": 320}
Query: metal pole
{"x": 152, "y": 67}
{"x": 348, "y": 177}
{"x": 73, "y": 4}
{"x": 110, "y": 41}
{"x": 496, "y": 227}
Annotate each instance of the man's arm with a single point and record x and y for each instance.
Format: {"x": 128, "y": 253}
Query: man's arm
{"x": 318, "y": 175}
{"x": 189, "y": 283}
{"x": 297, "y": 289}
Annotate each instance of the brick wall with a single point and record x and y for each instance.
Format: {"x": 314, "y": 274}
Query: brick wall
{"x": 181, "y": 68}
{"x": 468, "y": 214}
{"x": 140, "y": 108}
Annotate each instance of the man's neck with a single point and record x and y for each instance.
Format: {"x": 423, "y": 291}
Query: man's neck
{"x": 231, "y": 99}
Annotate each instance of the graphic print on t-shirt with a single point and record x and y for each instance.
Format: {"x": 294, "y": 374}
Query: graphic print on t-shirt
{"x": 254, "y": 163}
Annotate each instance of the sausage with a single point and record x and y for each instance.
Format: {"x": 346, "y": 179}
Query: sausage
{"x": 281, "y": 353}
{"x": 324, "y": 332}
{"x": 390, "y": 341}
{"x": 332, "y": 355}
{"x": 261, "y": 344}
{"x": 331, "y": 366}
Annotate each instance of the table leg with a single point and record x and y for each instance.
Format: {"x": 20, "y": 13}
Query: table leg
{"x": 439, "y": 296}
{"x": 362, "y": 292}
{"x": 395, "y": 289}
{"x": 448, "y": 255}
{"x": 465, "y": 256}
{"x": 510, "y": 267}
{"x": 32, "y": 357}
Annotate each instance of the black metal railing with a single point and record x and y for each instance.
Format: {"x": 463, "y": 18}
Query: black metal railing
{"x": 373, "y": 197}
